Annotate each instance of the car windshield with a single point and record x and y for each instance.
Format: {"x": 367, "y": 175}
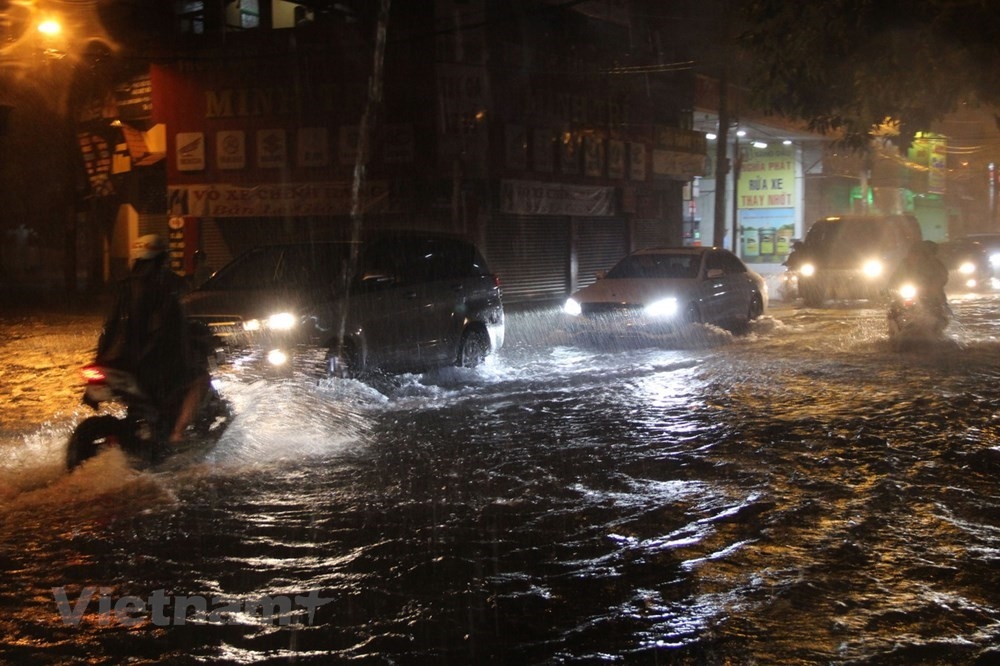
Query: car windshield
{"x": 676, "y": 265}
{"x": 849, "y": 238}
{"x": 292, "y": 268}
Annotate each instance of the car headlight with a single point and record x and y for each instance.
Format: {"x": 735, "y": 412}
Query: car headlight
{"x": 666, "y": 307}
{"x": 808, "y": 270}
{"x": 967, "y": 268}
{"x": 873, "y": 268}
{"x": 277, "y": 357}
{"x": 251, "y": 325}
{"x": 572, "y": 308}
{"x": 995, "y": 260}
{"x": 281, "y": 321}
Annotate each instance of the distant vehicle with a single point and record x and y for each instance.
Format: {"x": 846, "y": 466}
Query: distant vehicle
{"x": 968, "y": 265}
{"x": 406, "y": 301}
{"x": 991, "y": 244}
{"x": 851, "y": 257}
{"x": 658, "y": 289}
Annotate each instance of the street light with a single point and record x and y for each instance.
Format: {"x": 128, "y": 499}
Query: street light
{"x": 49, "y": 28}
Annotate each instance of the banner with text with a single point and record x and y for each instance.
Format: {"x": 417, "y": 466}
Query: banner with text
{"x": 767, "y": 177}
{"x": 275, "y": 199}
{"x": 523, "y": 197}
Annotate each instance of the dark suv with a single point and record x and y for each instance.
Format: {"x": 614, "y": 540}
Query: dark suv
{"x": 397, "y": 302}
{"x": 851, "y": 257}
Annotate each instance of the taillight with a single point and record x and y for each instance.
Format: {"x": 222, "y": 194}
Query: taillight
{"x": 92, "y": 374}
{"x": 496, "y": 281}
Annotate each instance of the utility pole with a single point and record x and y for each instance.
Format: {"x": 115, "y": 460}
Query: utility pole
{"x": 721, "y": 161}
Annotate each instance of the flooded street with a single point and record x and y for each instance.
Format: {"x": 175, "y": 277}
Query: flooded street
{"x": 804, "y": 494}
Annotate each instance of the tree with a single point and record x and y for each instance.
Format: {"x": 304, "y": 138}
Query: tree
{"x": 851, "y": 66}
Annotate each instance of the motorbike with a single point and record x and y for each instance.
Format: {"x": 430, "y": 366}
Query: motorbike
{"x": 143, "y": 430}
{"x": 916, "y": 316}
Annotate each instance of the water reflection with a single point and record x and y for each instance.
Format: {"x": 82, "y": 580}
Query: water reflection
{"x": 788, "y": 496}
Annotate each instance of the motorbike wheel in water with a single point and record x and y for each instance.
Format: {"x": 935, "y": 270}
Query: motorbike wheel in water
{"x": 89, "y": 436}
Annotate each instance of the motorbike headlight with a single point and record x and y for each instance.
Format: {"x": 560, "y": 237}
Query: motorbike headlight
{"x": 967, "y": 268}
{"x": 908, "y": 291}
{"x": 572, "y": 308}
{"x": 666, "y": 307}
{"x": 808, "y": 270}
{"x": 872, "y": 268}
{"x": 282, "y": 321}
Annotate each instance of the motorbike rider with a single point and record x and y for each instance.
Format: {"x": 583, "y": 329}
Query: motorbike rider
{"x": 922, "y": 266}
{"x": 147, "y": 335}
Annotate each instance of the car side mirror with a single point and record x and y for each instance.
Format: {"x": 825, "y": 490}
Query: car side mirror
{"x": 714, "y": 273}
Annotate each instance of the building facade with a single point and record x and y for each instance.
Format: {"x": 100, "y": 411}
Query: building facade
{"x": 531, "y": 127}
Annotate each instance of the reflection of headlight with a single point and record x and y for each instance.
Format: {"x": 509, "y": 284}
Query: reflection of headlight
{"x": 967, "y": 268}
{"x": 872, "y": 268}
{"x": 277, "y": 357}
{"x": 281, "y": 321}
{"x": 908, "y": 291}
{"x": 572, "y": 308}
{"x": 666, "y": 307}
{"x": 807, "y": 270}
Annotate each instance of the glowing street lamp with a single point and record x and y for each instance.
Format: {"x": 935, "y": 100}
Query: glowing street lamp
{"x": 50, "y": 28}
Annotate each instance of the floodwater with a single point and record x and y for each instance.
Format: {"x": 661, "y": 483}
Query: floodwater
{"x": 804, "y": 494}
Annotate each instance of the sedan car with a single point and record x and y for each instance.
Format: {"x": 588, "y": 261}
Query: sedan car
{"x": 659, "y": 288}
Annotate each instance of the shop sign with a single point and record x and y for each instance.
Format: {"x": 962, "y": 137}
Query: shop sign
{"x": 190, "y": 151}
{"x": 767, "y": 178}
{"x": 616, "y": 158}
{"x": 274, "y": 199}
{"x": 677, "y": 166}
{"x": 593, "y": 156}
{"x": 231, "y": 149}
{"x": 313, "y": 147}
{"x": 523, "y": 197}
{"x": 272, "y": 149}
{"x": 636, "y": 161}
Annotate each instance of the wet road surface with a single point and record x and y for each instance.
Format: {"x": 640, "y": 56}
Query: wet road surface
{"x": 804, "y": 494}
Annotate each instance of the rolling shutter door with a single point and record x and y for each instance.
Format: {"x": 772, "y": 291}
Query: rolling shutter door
{"x": 650, "y": 233}
{"x": 600, "y": 244}
{"x": 530, "y": 254}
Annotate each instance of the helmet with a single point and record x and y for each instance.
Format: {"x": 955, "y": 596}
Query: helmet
{"x": 149, "y": 246}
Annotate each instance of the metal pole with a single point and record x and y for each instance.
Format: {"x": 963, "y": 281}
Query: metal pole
{"x": 721, "y": 161}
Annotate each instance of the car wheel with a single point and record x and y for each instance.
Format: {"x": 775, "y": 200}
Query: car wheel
{"x": 474, "y": 348}
{"x": 756, "y": 307}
